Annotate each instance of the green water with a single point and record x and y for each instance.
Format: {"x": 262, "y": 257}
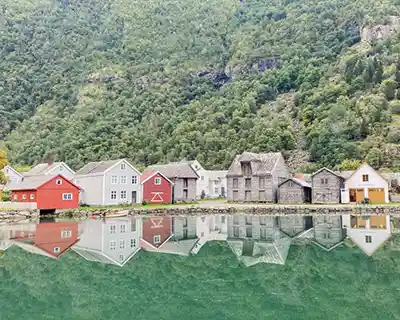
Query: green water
{"x": 313, "y": 284}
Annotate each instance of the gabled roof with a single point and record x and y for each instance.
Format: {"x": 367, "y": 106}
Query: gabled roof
{"x": 179, "y": 247}
{"x": 44, "y": 168}
{"x": 261, "y": 163}
{"x": 148, "y": 175}
{"x": 326, "y": 169}
{"x": 101, "y": 167}
{"x": 175, "y": 170}
{"x": 35, "y": 182}
{"x": 363, "y": 165}
{"x": 300, "y": 182}
{"x": 12, "y": 169}
{"x": 99, "y": 256}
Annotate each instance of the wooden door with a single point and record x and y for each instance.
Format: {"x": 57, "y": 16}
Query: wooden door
{"x": 376, "y": 195}
{"x": 360, "y": 195}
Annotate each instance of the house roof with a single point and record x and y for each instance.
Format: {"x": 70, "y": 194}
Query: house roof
{"x": 330, "y": 171}
{"x": 362, "y": 165}
{"x": 345, "y": 174}
{"x": 35, "y": 182}
{"x": 97, "y": 167}
{"x": 217, "y": 174}
{"x": 148, "y": 175}
{"x": 43, "y": 168}
{"x": 261, "y": 163}
{"x": 99, "y": 256}
{"x": 174, "y": 170}
{"x": 298, "y": 181}
{"x": 12, "y": 169}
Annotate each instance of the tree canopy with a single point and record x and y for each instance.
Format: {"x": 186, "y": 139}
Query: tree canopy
{"x": 156, "y": 81}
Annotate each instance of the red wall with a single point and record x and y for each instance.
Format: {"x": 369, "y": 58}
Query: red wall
{"x": 164, "y": 189}
{"x": 157, "y": 226}
{"x": 48, "y": 236}
{"x": 20, "y": 194}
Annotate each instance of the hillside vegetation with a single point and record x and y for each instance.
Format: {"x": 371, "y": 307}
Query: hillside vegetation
{"x": 159, "y": 80}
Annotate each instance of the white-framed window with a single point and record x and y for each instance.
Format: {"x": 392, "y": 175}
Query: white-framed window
{"x": 58, "y": 181}
{"x": 157, "y": 181}
{"x": 122, "y": 228}
{"x": 114, "y": 179}
{"x": 113, "y": 245}
{"x": 66, "y": 234}
{"x": 202, "y": 178}
{"x": 123, "y": 166}
{"x": 122, "y": 244}
{"x": 365, "y": 178}
{"x": 113, "y": 195}
{"x": 134, "y": 179}
{"x": 133, "y": 243}
{"x": 123, "y": 195}
{"x": 156, "y": 239}
{"x": 15, "y": 197}
{"x": 216, "y": 190}
{"x": 57, "y": 250}
{"x": 121, "y": 257}
{"x": 113, "y": 228}
{"x": 24, "y": 196}
{"x": 368, "y": 239}
{"x": 32, "y": 196}
{"x": 123, "y": 180}
{"x": 67, "y": 196}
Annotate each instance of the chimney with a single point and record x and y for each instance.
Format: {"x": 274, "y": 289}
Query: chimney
{"x": 50, "y": 160}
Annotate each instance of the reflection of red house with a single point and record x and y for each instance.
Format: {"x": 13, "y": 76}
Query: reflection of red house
{"x": 156, "y": 231}
{"x": 47, "y": 192}
{"x": 50, "y": 239}
{"x": 156, "y": 188}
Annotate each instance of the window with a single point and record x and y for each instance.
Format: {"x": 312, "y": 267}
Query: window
{"x": 327, "y": 235}
{"x": 134, "y": 179}
{"x": 113, "y": 245}
{"x": 235, "y": 183}
{"x": 123, "y": 195}
{"x": 58, "y": 181}
{"x": 185, "y": 233}
{"x": 247, "y": 183}
{"x": 365, "y": 178}
{"x": 202, "y": 234}
{"x": 249, "y": 232}
{"x": 66, "y": 234}
{"x": 263, "y": 220}
{"x": 223, "y": 219}
{"x": 133, "y": 225}
{"x": 67, "y": 196}
{"x": 246, "y": 168}
{"x": 263, "y": 234}
{"x": 157, "y": 181}
{"x": 122, "y": 244}
{"x": 57, "y": 250}
{"x": 121, "y": 257}
{"x": 185, "y": 183}
{"x": 202, "y": 178}
{"x": 236, "y": 232}
{"x": 114, "y": 179}
{"x": 216, "y": 190}
{"x": 324, "y": 180}
{"x": 123, "y": 166}
{"x": 122, "y": 180}
{"x": 113, "y": 195}
{"x": 15, "y": 197}
{"x": 261, "y": 182}
{"x": 290, "y": 184}
{"x": 24, "y": 196}
{"x": 156, "y": 239}
{"x": 185, "y": 222}
{"x": 113, "y": 228}
{"x": 235, "y": 219}
{"x": 122, "y": 228}
{"x": 133, "y": 243}
{"x": 249, "y": 220}
{"x": 368, "y": 239}
{"x": 32, "y": 196}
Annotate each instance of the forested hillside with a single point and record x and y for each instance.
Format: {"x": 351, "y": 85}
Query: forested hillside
{"x": 160, "y": 80}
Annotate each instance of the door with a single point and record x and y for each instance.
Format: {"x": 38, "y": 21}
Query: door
{"x": 356, "y": 195}
{"x": 376, "y": 195}
{"x": 223, "y": 192}
{"x": 247, "y": 196}
{"x": 134, "y": 196}
{"x": 185, "y": 194}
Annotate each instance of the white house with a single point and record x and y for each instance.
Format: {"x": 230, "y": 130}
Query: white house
{"x": 113, "y": 241}
{"x": 110, "y": 182}
{"x": 12, "y": 175}
{"x": 212, "y": 182}
{"x": 210, "y": 228}
{"x": 51, "y": 168}
{"x": 365, "y": 182}
{"x": 368, "y": 233}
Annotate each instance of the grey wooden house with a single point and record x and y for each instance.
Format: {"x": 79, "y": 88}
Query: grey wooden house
{"x": 326, "y": 186}
{"x": 255, "y": 177}
{"x": 184, "y": 178}
{"x": 294, "y": 190}
{"x": 294, "y": 225}
{"x": 328, "y": 231}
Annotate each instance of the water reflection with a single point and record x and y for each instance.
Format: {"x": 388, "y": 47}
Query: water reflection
{"x": 253, "y": 239}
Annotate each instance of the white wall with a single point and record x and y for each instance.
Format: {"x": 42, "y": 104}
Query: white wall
{"x": 18, "y": 205}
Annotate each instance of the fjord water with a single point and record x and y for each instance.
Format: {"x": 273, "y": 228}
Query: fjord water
{"x": 207, "y": 268}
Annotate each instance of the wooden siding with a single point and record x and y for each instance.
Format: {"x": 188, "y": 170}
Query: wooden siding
{"x": 179, "y": 189}
{"x": 255, "y": 193}
{"x": 255, "y": 223}
{"x": 326, "y": 193}
{"x": 293, "y": 193}
{"x": 292, "y": 225}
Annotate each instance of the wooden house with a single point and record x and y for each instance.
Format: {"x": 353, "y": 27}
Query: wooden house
{"x": 294, "y": 190}
{"x": 326, "y": 186}
{"x": 156, "y": 188}
{"x": 255, "y": 177}
{"x": 51, "y": 168}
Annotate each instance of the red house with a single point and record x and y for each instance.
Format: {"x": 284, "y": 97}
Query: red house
{"x": 156, "y": 231}
{"x": 50, "y": 239}
{"x": 156, "y": 188}
{"x": 48, "y": 192}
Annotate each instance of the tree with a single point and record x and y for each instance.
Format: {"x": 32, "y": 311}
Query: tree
{"x": 349, "y": 164}
{"x": 388, "y": 88}
{"x": 375, "y": 157}
{"x": 3, "y": 163}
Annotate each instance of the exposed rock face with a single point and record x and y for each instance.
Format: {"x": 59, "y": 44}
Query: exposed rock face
{"x": 381, "y": 31}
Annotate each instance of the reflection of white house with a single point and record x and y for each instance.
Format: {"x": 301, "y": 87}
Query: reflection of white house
{"x": 210, "y": 228}
{"x": 368, "y": 233}
{"x": 113, "y": 241}
{"x": 365, "y": 182}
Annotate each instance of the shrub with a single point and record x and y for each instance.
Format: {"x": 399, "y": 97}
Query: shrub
{"x": 395, "y": 106}
{"x": 144, "y": 203}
